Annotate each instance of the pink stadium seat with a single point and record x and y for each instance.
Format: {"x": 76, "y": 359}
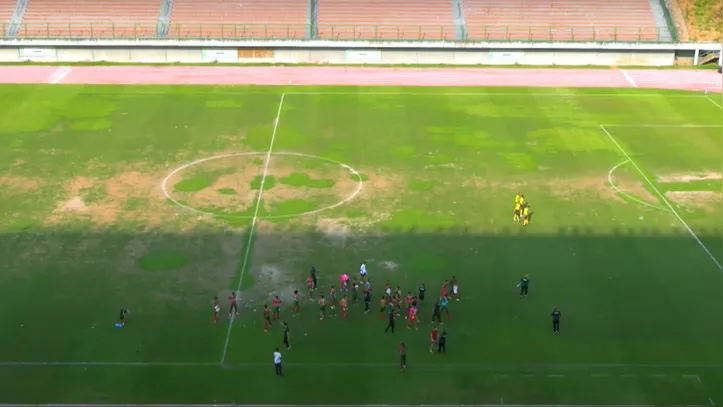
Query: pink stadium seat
{"x": 90, "y": 18}
{"x": 386, "y": 19}
{"x": 561, "y": 20}
{"x": 6, "y": 11}
{"x": 239, "y": 19}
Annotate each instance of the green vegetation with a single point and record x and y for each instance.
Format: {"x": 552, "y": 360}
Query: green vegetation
{"x": 704, "y": 19}
{"x": 86, "y": 226}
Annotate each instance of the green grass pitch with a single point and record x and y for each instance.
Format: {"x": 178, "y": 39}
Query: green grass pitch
{"x": 625, "y": 187}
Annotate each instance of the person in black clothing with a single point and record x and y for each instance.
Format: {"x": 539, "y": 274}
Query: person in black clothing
{"x": 436, "y": 314}
{"x": 367, "y": 301}
{"x": 313, "y": 275}
{"x": 442, "y": 343}
{"x": 422, "y": 291}
{"x": 556, "y": 314}
{"x": 286, "y": 336}
{"x": 390, "y": 325}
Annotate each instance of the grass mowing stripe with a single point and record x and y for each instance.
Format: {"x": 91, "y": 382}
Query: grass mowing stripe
{"x": 662, "y": 197}
{"x": 254, "y": 219}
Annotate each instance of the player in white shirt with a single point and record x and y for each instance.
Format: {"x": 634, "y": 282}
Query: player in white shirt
{"x": 363, "y": 271}
{"x": 277, "y": 363}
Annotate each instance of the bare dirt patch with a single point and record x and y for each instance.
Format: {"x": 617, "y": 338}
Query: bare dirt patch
{"x": 335, "y": 230}
{"x": 690, "y": 177}
{"x": 19, "y": 184}
{"x": 598, "y": 186}
{"x": 75, "y": 204}
{"x": 131, "y": 195}
{"x": 707, "y": 200}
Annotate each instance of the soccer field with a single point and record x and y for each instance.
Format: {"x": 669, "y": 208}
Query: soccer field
{"x": 157, "y": 199}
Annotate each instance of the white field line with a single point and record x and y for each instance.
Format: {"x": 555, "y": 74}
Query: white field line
{"x": 711, "y": 402}
{"x": 534, "y": 94}
{"x": 337, "y": 405}
{"x": 405, "y": 93}
{"x": 628, "y": 78}
{"x": 662, "y": 197}
{"x": 254, "y": 219}
{"x": 693, "y": 376}
{"x": 101, "y": 364}
{"x": 60, "y": 74}
{"x": 632, "y": 198}
{"x": 718, "y": 105}
{"x": 352, "y": 171}
{"x": 500, "y": 370}
{"x": 694, "y": 126}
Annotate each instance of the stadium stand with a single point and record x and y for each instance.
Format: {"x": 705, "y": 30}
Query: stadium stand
{"x": 578, "y": 20}
{"x": 7, "y": 7}
{"x": 385, "y": 19}
{"x": 239, "y": 19}
{"x": 90, "y": 18}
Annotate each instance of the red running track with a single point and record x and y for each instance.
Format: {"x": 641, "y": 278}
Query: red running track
{"x": 364, "y": 76}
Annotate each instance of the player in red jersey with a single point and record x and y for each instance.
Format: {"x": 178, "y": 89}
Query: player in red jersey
{"x": 383, "y": 308}
{"x": 433, "y": 339}
{"x": 296, "y": 302}
{"x": 413, "y": 318}
{"x": 277, "y": 307}
{"x": 267, "y": 318}
{"x": 216, "y": 309}
{"x": 409, "y": 299}
{"x": 445, "y": 288}
{"x": 310, "y": 285}
{"x": 232, "y": 308}
{"x": 344, "y": 307}
{"x": 397, "y": 301}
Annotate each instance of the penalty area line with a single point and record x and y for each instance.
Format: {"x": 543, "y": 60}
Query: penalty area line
{"x": 662, "y": 197}
{"x": 254, "y": 219}
{"x": 625, "y": 194}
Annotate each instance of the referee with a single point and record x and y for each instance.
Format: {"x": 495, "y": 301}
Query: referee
{"x": 277, "y": 363}
{"x": 556, "y": 314}
{"x": 390, "y": 325}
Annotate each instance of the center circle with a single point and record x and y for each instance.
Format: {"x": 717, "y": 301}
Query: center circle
{"x": 354, "y": 174}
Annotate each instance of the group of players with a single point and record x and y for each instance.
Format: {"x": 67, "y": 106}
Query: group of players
{"x": 522, "y": 210}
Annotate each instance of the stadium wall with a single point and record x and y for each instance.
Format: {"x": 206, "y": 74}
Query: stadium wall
{"x": 354, "y": 52}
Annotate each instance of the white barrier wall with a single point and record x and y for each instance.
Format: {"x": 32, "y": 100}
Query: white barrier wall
{"x": 320, "y": 52}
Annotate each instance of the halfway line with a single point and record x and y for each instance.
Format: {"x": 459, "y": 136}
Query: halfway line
{"x": 662, "y": 197}
{"x": 254, "y": 219}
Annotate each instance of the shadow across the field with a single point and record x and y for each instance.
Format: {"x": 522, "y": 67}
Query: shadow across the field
{"x": 628, "y": 296}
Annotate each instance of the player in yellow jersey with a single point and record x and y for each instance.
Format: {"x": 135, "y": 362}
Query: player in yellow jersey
{"x": 517, "y": 198}
{"x": 522, "y": 200}
{"x": 518, "y": 209}
{"x": 526, "y": 215}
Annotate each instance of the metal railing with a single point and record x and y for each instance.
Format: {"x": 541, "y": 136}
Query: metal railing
{"x": 332, "y": 32}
